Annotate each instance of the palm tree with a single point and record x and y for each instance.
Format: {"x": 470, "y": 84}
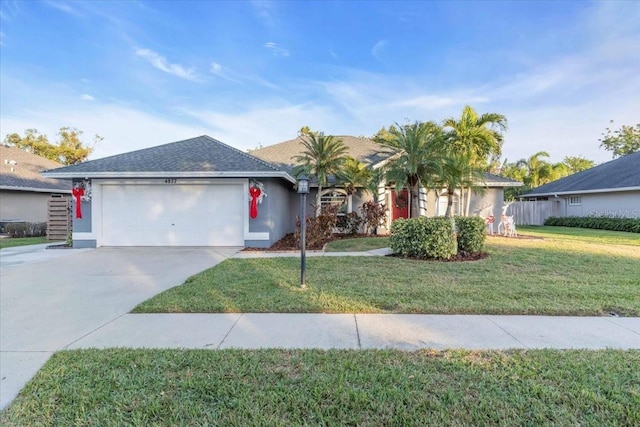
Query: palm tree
{"x": 414, "y": 159}
{"x": 479, "y": 137}
{"x": 354, "y": 174}
{"x": 458, "y": 171}
{"x": 540, "y": 171}
{"x": 322, "y": 157}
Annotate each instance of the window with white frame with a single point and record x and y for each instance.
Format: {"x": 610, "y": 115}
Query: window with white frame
{"x": 336, "y": 199}
{"x": 575, "y": 200}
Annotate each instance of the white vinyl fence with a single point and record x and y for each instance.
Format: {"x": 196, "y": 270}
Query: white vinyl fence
{"x": 534, "y": 212}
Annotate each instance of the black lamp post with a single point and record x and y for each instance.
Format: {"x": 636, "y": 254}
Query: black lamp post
{"x": 303, "y": 189}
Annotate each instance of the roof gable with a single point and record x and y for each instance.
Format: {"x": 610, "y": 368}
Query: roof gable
{"x": 20, "y": 170}
{"x": 282, "y": 154}
{"x": 202, "y": 156}
{"x": 618, "y": 174}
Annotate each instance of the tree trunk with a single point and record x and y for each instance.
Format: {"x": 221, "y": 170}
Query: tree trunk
{"x": 468, "y": 202}
{"x": 319, "y": 201}
{"x": 414, "y": 198}
{"x": 450, "y": 195}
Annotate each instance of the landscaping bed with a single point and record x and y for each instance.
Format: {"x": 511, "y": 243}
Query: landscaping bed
{"x": 290, "y": 243}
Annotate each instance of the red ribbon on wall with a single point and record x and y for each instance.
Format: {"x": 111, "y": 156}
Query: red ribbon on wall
{"x": 255, "y": 193}
{"x": 78, "y": 192}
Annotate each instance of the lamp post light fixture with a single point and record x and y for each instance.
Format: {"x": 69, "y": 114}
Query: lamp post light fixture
{"x": 303, "y": 189}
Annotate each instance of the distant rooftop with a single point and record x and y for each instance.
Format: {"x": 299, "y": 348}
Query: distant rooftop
{"x": 619, "y": 174}
{"x": 20, "y": 170}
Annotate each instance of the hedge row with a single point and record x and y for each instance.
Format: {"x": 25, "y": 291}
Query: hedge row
{"x": 26, "y": 229}
{"x": 437, "y": 238}
{"x": 631, "y": 225}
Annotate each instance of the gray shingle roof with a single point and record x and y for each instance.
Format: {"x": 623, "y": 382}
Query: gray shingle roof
{"x": 20, "y": 170}
{"x": 621, "y": 173}
{"x": 493, "y": 180}
{"x": 202, "y": 156}
{"x": 282, "y": 154}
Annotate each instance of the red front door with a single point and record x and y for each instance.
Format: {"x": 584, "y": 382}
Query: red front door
{"x": 399, "y": 204}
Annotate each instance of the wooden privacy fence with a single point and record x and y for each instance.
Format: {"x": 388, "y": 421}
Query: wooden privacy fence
{"x": 534, "y": 212}
{"x": 58, "y": 218}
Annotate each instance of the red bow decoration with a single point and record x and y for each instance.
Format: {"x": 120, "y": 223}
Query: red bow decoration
{"x": 255, "y": 193}
{"x": 78, "y": 192}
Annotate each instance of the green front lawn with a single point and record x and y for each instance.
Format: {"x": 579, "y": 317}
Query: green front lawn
{"x": 9, "y": 242}
{"x": 361, "y": 244}
{"x": 311, "y": 387}
{"x": 562, "y": 274}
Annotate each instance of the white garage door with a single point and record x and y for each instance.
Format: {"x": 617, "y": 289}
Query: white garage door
{"x": 172, "y": 215}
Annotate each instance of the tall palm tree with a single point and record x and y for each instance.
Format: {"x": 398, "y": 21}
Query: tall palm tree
{"x": 457, "y": 171}
{"x": 477, "y": 136}
{"x": 414, "y": 160}
{"x": 322, "y": 157}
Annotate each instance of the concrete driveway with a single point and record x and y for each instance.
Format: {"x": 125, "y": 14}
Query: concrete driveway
{"x": 50, "y": 299}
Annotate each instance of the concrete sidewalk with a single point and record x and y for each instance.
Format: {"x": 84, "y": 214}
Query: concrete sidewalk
{"x": 363, "y": 331}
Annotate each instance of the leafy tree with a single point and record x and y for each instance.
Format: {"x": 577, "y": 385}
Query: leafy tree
{"x": 578, "y": 163}
{"x": 68, "y": 150}
{"x": 323, "y": 156}
{"x": 415, "y": 157}
{"x": 478, "y": 137}
{"x": 623, "y": 141}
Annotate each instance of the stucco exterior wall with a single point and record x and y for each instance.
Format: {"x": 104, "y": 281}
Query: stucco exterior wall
{"x": 275, "y": 214}
{"x": 23, "y": 205}
{"x": 624, "y": 204}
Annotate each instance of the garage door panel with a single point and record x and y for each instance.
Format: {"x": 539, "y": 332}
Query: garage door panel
{"x": 176, "y": 215}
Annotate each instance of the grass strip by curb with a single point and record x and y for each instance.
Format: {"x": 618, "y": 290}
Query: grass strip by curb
{"x": 337, "y": 387}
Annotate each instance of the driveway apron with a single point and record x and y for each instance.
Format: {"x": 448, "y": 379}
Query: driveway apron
{"x": 49, "y": 303}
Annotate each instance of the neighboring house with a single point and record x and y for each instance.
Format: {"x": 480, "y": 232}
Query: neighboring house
{"x": 432, "y": 203}
{"x": 201, "y": 192}
{"x": 611, "y": 189}
{"x": 187, "y": 193}
{"x": 23, "y": 191}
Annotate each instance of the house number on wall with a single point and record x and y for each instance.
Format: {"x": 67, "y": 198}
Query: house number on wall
{"x": 170, "y": 181}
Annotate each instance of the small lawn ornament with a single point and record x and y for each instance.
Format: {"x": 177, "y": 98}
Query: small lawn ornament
{"x": 507, "y": 223}
{"x": 256, "y": 191}
{"x": 488, "y": 221}
{"x": 485, "y": 213}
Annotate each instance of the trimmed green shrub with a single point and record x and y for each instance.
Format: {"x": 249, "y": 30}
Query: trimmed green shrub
{"x": 26, "y": 229}
{"x": 471, "y": 234}
{"x": 428, "y": 238}
{"x": 631, "y": 225}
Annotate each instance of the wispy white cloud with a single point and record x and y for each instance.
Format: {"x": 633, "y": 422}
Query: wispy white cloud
{"x": 9, "y": 9}
{"x": 63, "y": 6}
{"x": 87, "y": 97}
{"x": 223, "y": 72}
{"x": 378, "y": 49}
{"x": 161, "y": 63}
{"x": 264, "y": 124}
{"x": 275, "y": 49}
{"x": 264, "y": 10}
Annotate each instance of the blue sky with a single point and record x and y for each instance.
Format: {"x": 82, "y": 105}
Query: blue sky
{"x": 144, "y": 73}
